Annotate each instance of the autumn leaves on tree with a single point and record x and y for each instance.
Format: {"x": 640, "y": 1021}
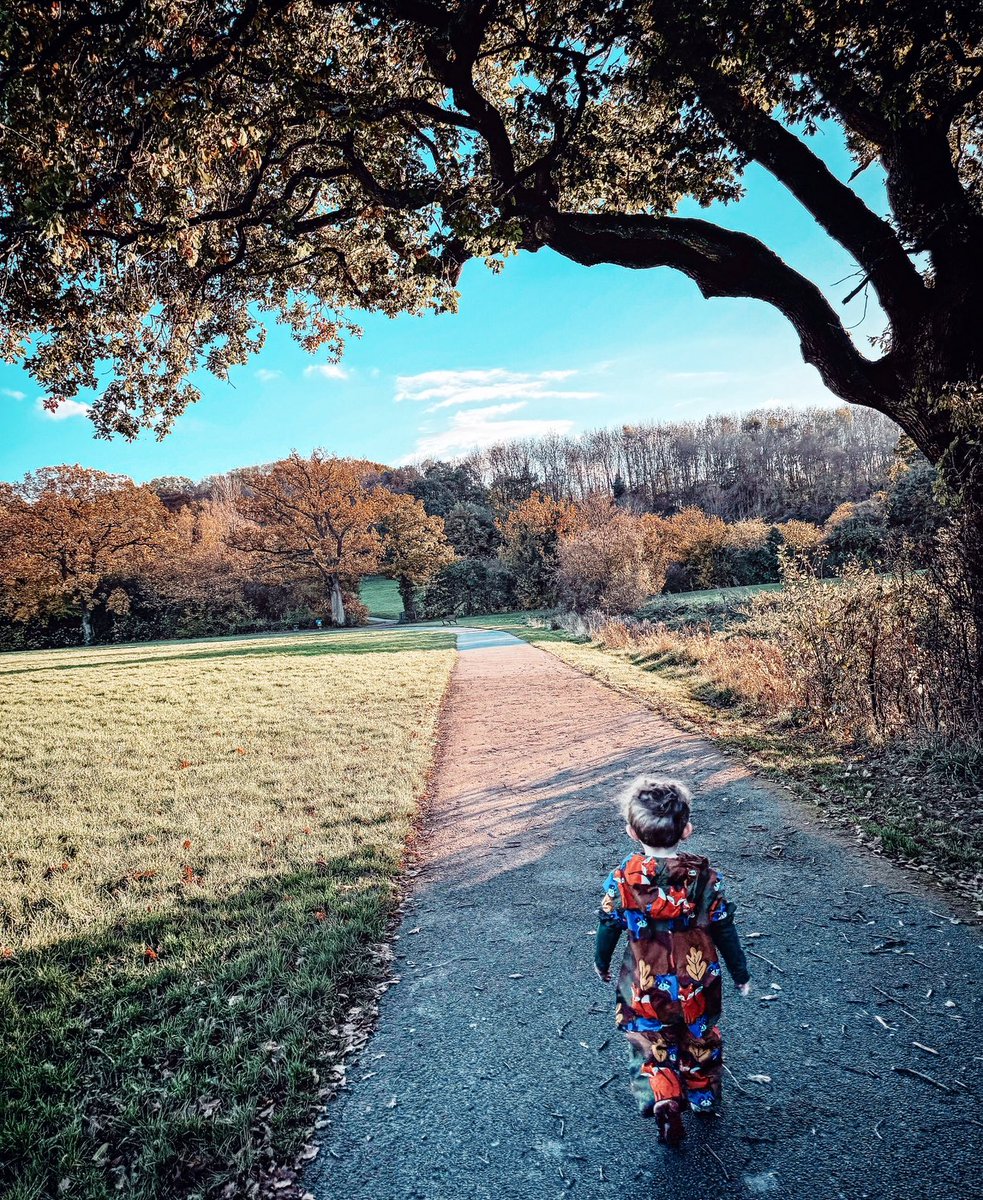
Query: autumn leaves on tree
{"x": 65, "y": 532}
{"x": 209, "y": 164}
{"x": 73, "y": 540}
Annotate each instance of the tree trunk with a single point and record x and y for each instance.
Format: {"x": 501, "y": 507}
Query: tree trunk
{"x": 86, "y": 627}
{"x": 337, "y": 603}
{"x": 407, "y": 592}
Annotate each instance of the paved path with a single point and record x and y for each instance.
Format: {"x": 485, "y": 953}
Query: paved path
{"x": 496, "y": 1071}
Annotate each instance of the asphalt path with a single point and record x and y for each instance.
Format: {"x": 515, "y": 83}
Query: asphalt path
{"x": 496, "y": 1071}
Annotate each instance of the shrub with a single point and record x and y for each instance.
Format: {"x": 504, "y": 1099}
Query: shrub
{"x": 608, "y": 566}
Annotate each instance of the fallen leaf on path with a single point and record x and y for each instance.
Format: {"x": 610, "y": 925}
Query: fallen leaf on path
{"x": 760, "y": 1078}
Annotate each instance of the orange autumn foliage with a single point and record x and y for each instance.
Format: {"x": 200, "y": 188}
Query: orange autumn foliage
{"x": 64, "y": 531}
{"x": 313, "y": 520}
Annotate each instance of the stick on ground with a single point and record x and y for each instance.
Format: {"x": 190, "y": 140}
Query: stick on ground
{"x": 780, "y": 970}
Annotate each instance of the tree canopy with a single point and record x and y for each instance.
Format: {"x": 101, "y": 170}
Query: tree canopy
{"x": 64, "y": 532}
{"x": 172, "y": 174}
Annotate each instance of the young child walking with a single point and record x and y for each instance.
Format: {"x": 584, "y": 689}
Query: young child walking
{"x": 672, "y": 906}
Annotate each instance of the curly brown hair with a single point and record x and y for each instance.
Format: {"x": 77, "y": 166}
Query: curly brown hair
{"x": 657, "y": 809}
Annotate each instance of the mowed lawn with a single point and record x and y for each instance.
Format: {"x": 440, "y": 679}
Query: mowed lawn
{"x": 199, "y": 846}
{"x": 381, "y": 597}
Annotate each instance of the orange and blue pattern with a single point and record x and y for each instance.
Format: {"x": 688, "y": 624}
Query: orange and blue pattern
{"x": 669, "y": 986}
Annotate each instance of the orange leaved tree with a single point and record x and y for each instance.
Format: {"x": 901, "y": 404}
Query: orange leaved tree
{"x": 416, "y": 546}
{"x": 313, "y": 520}
{"x": 64, "y": 531}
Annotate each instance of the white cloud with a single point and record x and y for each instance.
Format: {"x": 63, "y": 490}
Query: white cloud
{"x": 66, "y": 409}
{"x": 12, "y": 393}
{"x": 265, "y": 375}
{"x": 477, "y": 427}
{"x": 447, "y": 389}
{"x": 325, "y": 371}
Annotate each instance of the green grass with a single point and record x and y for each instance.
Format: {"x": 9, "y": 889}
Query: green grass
{"x": 381, "y": 596}
{"x": 200, "y": 845}
{"x": 697, "y": 604}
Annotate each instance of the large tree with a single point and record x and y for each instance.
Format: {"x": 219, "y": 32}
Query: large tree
{"x": 313, "y": 520}
{"x": 169, "y": 171}
{"x": 64, "y": 533}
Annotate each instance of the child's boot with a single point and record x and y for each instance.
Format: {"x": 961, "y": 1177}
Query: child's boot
{"x": 669, "y": 1115}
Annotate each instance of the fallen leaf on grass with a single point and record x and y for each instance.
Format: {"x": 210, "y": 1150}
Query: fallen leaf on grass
{"x": 184, "y": 763}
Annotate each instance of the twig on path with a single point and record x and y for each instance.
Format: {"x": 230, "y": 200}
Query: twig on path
{"x": 559, "y": 1117}
{"x": 780, "y": 970}
{"x": 610, "y": 1079}
{"x": 894, "y": 1000}
{"x": 925, "y": 1078}
{"x": 769, "y": 895}
{"x": 600, "y": 1172}
{"x": 860, "y": 1071}
{"x": 561, "y": 1028}
{"x": 710, "y": 1150}
{"x": 736, "y": 1084}
{"x": 927, "y": 1049}
{"x": 876, "y": 1128}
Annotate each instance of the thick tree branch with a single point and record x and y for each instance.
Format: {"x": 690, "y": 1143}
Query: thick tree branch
{"x": 724, "y": 263}
{"x": 835, "y": 206}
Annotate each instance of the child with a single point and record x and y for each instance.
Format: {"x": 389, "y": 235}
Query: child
{"x": 669, "y": 989}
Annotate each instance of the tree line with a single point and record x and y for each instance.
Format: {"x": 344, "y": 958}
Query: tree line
{"x": 86, "y": 555}
{"x": 775, "y": 463}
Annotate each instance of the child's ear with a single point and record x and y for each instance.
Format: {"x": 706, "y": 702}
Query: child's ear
{"x": 687, "y": 832}
{"x": 630, "y": 830}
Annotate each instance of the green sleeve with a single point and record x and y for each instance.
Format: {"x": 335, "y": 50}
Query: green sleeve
{"x": 604, "y": 944}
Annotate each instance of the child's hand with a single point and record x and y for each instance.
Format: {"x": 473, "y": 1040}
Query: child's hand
{"x": 744, "y": 988}
{"x": 603, "y": 976}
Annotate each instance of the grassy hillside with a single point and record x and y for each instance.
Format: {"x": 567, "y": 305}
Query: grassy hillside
{"x": 382, "y": 597}
{"x": 199, "y": 844}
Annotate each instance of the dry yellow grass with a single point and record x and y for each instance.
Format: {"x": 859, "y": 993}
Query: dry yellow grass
{"x": 193, "y": 836}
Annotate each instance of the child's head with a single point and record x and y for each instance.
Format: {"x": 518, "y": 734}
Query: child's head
{"x": 656, "y": 811}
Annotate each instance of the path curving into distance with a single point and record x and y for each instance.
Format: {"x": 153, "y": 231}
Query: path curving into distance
{"x": 496, "y": 1071}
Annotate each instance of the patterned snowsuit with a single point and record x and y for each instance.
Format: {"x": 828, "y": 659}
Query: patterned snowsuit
{"x": 669, "y": 987}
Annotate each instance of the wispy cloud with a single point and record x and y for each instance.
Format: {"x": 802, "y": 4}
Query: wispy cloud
{"x": 13, "y": 393}
{"x": 325, "y": 371}
{"x": 265, "y": 375}
{"x": 66, "y": 409}
{"x": 447, "y": 389}
{"x": 477, "y": 427}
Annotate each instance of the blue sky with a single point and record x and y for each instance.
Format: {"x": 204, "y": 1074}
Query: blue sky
{"x": 546, "y": 345}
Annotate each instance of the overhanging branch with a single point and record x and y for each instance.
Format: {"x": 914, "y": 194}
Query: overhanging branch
{"x": 724, "y": 263}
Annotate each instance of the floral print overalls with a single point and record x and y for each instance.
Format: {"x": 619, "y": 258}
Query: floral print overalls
{"x": 669, "y": 987}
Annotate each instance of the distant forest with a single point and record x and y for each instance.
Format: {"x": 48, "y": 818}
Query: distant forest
{"x": 774, "y": 463}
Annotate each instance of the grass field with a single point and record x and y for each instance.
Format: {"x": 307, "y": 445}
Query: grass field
{"x": 381, "y": 596}
{"x": 695, "y": 605}
{"x": 199, "y": 844}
